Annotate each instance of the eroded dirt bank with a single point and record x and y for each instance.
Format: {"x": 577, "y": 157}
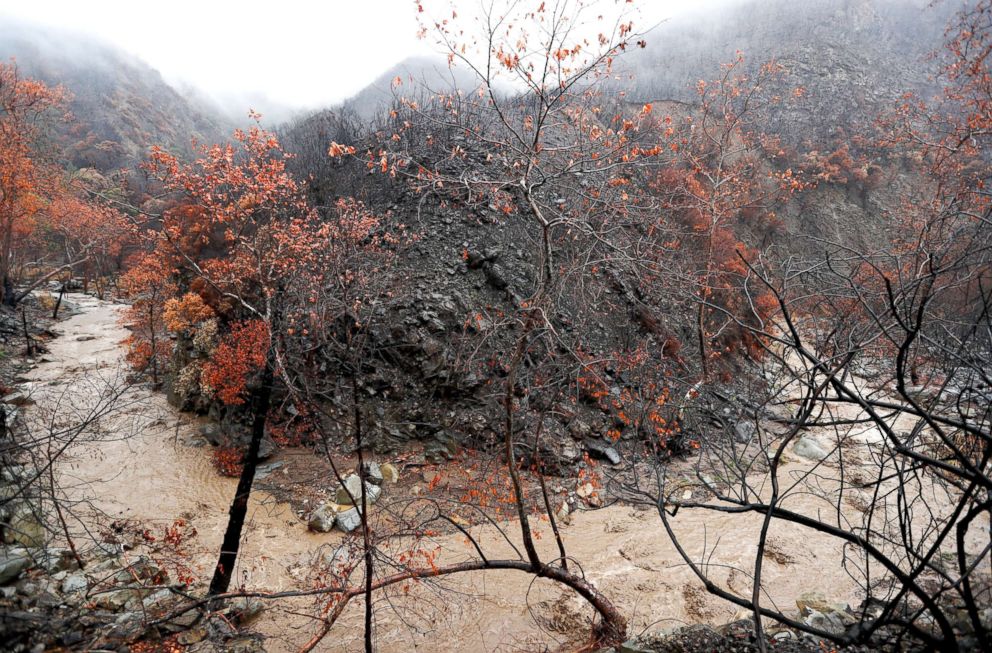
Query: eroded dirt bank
{"x": 142, "y": 468}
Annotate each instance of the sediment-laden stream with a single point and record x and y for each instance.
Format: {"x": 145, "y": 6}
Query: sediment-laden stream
{"x": 142, "y": 468}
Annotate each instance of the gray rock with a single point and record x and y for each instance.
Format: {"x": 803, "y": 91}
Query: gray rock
{"x": 212, "y": 433}
{"x": 349, "y": 520}
{"x": 832, "y": 622}
{"x": 58, "y": 560}
{"x": 17, "y": 399}
{"x": 192, "y": 636}
{"x": 373, "y": 473}
{"x": 12, "y": 563}
{"x": 156, "y": 598}
{"x": 322, "y": 519}
{"x": 12, "y": 473}
{"x": 244, "y": 645}
{"x": 633, "y": 646}
{"x": 74, "y": 583}
{"x": 807, "y": 447}
{"x": 353, "y": 488}
{"x": 266, "y": 449}
{"x": 47, "y": 600}
{"x": 603, "y": 450}
{"x": 264, "y": 471}
{"x": 579, "y": 429}
{"x": 244, "y": 609}
{"x": 744, "y": 432}
{"x": 496, "y": 276}
{"x": 116, "y": 600}
{"x": 24, "y": 527}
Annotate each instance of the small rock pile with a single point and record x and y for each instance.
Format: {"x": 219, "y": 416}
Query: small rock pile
{"x": 344, "y": 512}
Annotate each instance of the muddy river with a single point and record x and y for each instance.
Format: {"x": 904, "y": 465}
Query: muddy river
{"x": 141, "y": 467}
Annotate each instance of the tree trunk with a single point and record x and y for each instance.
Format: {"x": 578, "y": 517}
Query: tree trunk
{"x": 27, "y": 335}
{"x": 701, "y": 341}
{"x": 58, "y": 303}
{"x": 261, "y": 399}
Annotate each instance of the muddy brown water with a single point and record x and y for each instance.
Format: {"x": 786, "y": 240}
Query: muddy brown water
{"x": 153, "y": 476}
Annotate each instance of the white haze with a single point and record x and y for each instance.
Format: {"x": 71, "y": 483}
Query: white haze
{"x": 291, "y": 54}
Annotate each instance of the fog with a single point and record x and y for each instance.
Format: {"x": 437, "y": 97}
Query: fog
{"x": 275, "y": 57}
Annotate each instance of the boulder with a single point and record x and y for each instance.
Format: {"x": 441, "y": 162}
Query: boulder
{"x": 244, "y": 645}
{"x": 353, "y": 488}
{"x": 56, "y": 560}
{"x": 373, "y": 472}
{"x": 322, "y": 519}
{"x": 116, "y": 600}
{"x": 744, "y": 432}
{"x": 579, "y": 429}
{"x": 156, "y": 598}
{"x": 12, "y": 563}
{"x": 496, "y": 276}
{"x": 17, "y": 399}
{"x": 635, "y": 646}
{"x": 264, "y": 471}
{"x": 243, "y": 609}
{"x": 24, "y": 526}
{"x": 807, "y": 447}
{"x": 348, "y": 520}
{"x": 603, "y": 450}
{"x": 212, "y": 433}
{"x": 831, "y": 622}
{"x": 266, "y": 448}
{"x": 389, "y": 473}
{"x": 809, "y": 601}
{"x": 74, "y": 583}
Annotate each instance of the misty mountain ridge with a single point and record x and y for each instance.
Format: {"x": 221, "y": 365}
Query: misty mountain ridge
{"x": 855, "y": 58}
{"x": 122, "y": 105}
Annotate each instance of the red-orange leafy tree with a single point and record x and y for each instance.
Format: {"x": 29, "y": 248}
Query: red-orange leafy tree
{"x": 239, "y": 235}
{"x": 149, "y": 283}
{"x": 43, "y": 223}
{"x": 718, "y": 188}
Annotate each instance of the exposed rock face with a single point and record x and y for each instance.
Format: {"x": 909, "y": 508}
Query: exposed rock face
{"x": 853, "y": 58}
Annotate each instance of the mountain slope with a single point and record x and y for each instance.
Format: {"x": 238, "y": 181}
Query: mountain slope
{"x": 121, "y": 105}
{"x": 854, "y": 58}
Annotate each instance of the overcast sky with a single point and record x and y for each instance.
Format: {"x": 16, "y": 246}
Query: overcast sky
{"x": 300, "y": 53}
